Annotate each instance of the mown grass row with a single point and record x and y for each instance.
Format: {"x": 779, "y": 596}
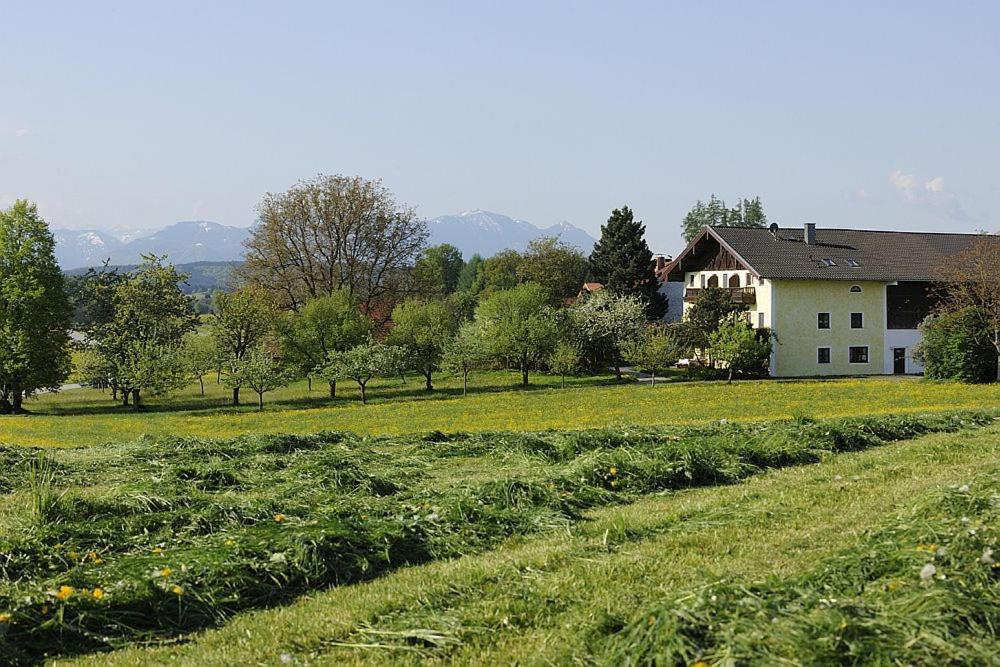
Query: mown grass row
{"x": 157, "y": 538}
{"x": 924, "y": 589}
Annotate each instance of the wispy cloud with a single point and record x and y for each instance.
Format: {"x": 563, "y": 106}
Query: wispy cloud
{"x": 930, "y": 195}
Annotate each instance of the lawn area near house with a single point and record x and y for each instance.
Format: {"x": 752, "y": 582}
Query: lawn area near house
{"x": 87, "y": 417}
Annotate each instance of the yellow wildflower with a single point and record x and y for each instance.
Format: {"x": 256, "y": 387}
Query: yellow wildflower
{"x": 98, "y": 594}
{"x": 93, "y": 557}
{"x": 165, "y": 572}
{"x": 895, "y": 584}
{"x": 613, "y": 470}
{"x": 700, "y": 663}
{"x": 230, "y": 543}
{"x": 65, "y": 592}
{"x": 73, "y": 555}
{"x": 279, "y": 517}
{"x": 157, "y": 550}
{"x": 177, "y": 590}
{"x": 4, "y": 618}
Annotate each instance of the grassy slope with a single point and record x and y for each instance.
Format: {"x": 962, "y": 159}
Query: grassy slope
{"x": 553, "y": 598}
{"x": 496, "y": 404}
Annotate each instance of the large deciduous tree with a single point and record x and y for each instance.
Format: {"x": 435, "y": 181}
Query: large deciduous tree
{"x": 622, "y": 261}
{"x": 422, "y": 328}
{"x": 739, "y": 346}
{"x": 35, "y": 312}
{"x": 558, "y": 267}
{"x": 971, "y": 282}
{"x": 331, "y": 233}
{"x": 437, "y": 270}
{"x": 520, "y": 326}
{"x": 242, "y": 318}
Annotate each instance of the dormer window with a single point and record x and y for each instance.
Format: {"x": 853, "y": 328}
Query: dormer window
{"x": 853, "y": 263}
{"x": 829, "y": 262}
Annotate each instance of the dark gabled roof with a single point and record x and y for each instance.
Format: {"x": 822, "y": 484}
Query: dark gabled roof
{"x": 878, "y": 255}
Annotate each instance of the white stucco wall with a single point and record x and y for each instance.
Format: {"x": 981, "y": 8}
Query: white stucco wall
{"x": 674, "y": 293}
{"x": 907, "y": 338}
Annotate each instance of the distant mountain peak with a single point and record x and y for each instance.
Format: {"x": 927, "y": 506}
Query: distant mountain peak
{"x": 182, "y": 242}
{"x": 487, "y": 233}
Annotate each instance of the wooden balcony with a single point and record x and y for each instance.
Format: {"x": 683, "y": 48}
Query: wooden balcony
{"x": 745, "y": 296}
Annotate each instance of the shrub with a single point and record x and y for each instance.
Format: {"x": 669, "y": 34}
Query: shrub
{"x": 955, "y": 347}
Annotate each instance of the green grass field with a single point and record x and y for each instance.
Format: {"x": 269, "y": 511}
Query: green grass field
{"x": 693, "y": 520}
{"x": 87, "y": 417}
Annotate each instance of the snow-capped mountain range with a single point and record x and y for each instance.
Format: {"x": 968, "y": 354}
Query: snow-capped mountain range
{"x": 200, "y": 240}
{"x": 182, "y": 242}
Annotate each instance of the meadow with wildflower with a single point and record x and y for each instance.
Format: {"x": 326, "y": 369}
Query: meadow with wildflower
{"x": 495, "y": 402}
{"x": 157, "y": 538}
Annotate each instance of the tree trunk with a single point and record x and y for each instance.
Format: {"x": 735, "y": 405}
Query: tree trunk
{"x": 135, "y": 399}
{"x": 465, "y": 383}
{"x": 260, "y": 401}
{"x": 618, "y": 371}
{"x": 562, "y": 381}
{"x": 201, "y": 381}
{"x": 236, "y": 395}
{"x": 16, "y": 397}
{"x": 524, "y": 374}
{"x": 309, "y": 383}
{"x": 5, "y": 406}
{"x": 333, "y": 389}
{"x": 125, "y": 395}
{"x": 427, "y": 376}
{"x": 364, "y": 397}
{"x": 652, "y": 378}
{"x": 729, "y": 380}
{"x": 114, "y": 392}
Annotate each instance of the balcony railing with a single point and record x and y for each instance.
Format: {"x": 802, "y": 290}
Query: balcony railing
{"x": 742, "y": 295}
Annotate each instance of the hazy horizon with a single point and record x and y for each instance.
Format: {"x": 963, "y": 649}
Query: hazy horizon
{"x": 136, "y": 117}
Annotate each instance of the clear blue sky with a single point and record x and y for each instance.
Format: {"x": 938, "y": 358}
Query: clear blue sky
{"x": 879, "y": 115}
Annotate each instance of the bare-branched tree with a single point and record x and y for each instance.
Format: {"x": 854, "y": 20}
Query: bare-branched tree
{"x": 335, "y": 232}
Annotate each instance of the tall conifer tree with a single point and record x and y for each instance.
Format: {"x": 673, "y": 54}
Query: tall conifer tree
{"x": 622, "y": 261}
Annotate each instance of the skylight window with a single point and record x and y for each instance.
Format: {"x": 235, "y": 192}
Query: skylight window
{"x": 853, "y": 262}
{"x": 829, "y": 262}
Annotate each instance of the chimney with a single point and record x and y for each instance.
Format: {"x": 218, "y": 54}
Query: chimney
{"x": 661, "y": 261}
{"x": 809, "y": 236}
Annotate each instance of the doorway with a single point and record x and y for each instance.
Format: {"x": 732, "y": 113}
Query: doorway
{"x": 899, "y": 360}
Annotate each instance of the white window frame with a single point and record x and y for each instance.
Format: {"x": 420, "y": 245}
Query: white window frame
{"x": 829, "y": 356}
{"x": 868, "y": 356}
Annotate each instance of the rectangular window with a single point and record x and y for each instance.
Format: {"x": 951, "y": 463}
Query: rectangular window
{"x": 822, "y": 320}
{"x": 703, "y": 281}
{"x": 760, "y": 320}
{"x": 823, "y": 355}
{"x": 760, "y": 280}
{"x": 857, "y": 321}
{"x": 691, "y": 280}
{"x": 858, "y": 354}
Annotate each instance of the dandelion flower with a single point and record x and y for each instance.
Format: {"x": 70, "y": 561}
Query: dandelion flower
{"x": 230, "y": 543}
{"x": 165, "y": 572}
{"x": 927, "y": 572}
{"x": 65, "y": 592}
{"x": 98, "y": 594}
{"x": 613, "y": 470}
{"x": 73, "y": 555}
{"x": 279, "y": 517}
{"x": 157, "y": 550}
{"x": 177, "y": 590}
